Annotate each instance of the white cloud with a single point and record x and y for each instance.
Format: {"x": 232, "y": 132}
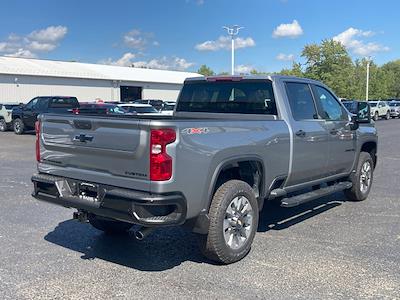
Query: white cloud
{"x": 163, "y": 63}
{"x": 285, "y": 57}
{"x": 41, "y": 47}
{"x": 42, "y": 40}
{"x": 352, "y": 39}
{"x": 139, "y": 40}
{"x": 50, "y": 34}
{"x": 243, "y": 69}
{"x": 124, "y": 61}
{"x": 291, "y": 30}
{"x": 22, "y": 53}
{"x": 224, "y": 43}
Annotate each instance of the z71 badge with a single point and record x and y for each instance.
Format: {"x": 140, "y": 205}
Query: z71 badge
{"x": 203, "y": 130}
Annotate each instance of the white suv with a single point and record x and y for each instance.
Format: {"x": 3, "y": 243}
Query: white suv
{"x": 6, "y": 116}
{"x": 379, "y": 109}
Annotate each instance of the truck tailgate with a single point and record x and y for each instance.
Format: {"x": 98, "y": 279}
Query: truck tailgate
{"x": 99, "y": 149}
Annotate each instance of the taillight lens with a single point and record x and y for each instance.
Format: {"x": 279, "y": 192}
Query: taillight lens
{"x": 37, "y": 130}
{"x": 160, "y": 161}
{"x": 75, "y": 111}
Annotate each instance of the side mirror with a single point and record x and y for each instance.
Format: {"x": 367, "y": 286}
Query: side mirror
{"x": 363, "y": 112}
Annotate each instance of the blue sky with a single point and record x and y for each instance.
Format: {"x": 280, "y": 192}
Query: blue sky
{"x": 183, "y": 34}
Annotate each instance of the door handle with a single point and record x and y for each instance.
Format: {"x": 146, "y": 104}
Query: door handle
{"x": 301, "y": 133}
{"x": 333, "y": 131}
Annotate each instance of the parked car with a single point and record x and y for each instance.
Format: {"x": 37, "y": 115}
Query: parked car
{"x": 157, "y": 104}
{"x": 96, "y": 108}
{"x": 140, "y": 109}
{"x": 25, "y": 115}
{"x": 379, "y": 109}
{"x": 394, "y": 109}
{"x": 232, "y": 144}
{"x": 353, "y": 106}
{"x": 168, "y": 108}
{"x": 6, "y": 116}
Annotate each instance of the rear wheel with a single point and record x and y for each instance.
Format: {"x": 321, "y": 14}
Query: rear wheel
{"x": 109, "y": 226}
{"x": 19, "y": 126}
{"x": 233, "y": 222}
{"x": 376, "y": 116}
{"x": 362, "y": 178}
{"x": 3, "y": 125}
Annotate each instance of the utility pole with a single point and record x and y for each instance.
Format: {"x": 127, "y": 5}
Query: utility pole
{"x": 367, "y": 84}
{"x": 232, "y": 32}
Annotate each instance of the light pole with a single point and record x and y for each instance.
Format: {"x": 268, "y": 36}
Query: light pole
{"x": 232, "y": 32}
{"x": 367, "y": 83}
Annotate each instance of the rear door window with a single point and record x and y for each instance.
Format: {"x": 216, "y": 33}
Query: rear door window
{"x": 301, "y": 101}
{"x": 242, "y": 97}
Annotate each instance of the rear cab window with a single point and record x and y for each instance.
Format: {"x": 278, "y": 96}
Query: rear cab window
{"x": 64, "y": 102}
{"x": 228, "y": 96}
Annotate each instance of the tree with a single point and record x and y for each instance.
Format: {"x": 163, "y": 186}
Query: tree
{"x": 294, "y": 71}
{"x": 330, "y": 63}
{"x": 205, "y": 71}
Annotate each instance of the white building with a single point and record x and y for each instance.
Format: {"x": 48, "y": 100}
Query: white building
{"x": 22, "y": 79}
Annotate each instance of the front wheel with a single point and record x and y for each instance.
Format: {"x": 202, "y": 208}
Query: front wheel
{"x": 19, "y": 126}
{"x": 362, "y": 178}
{"x": 3, "y": 125}
{"x": 109, "y": 226}
{"x": 376, "y": 116}
{"x": 387, "y": 117}
{"x": 233, "y": 222}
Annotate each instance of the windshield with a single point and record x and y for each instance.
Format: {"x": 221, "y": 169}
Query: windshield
{"x": 116, "y": 110}
{"x": 394, "y": 104}
{"x": 10, "y": 106}
{"x": 168, "y": 107}
{"x": 146, "y": 110}
{"x": 244, "y": 97}
{"x": 373, "y": 104}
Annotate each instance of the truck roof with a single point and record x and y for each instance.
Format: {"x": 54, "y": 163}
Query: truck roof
{"x": 251, "y": 77}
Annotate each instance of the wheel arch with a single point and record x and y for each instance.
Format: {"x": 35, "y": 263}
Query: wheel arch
{"x": 370, "y": 147}
{"x": 251, "y": 170}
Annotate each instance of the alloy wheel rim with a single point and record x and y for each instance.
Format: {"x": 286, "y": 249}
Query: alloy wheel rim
{"x": 238, "y": 222}
{"x": 365, "y": 177}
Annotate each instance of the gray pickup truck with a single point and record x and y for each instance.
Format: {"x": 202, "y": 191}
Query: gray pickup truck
{"x": 231, "y": 144}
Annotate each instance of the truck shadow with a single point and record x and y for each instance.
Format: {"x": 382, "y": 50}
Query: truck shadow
{"x": 167, "y": 248}
{"x": 274, "y": 217}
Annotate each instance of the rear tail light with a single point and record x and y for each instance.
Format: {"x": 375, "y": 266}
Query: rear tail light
{"x": 37, "y": 130}
{"x": 160, "y": 161}
{"x": 75, "y": 111}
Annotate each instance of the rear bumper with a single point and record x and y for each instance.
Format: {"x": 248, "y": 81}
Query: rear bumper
{"x": 117, "y": 203}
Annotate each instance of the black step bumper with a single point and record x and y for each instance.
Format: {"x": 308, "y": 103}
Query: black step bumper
{"x": 117, "y": 203}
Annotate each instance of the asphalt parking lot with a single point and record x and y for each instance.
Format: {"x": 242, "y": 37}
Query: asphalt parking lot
{"x": 326, "y": 249}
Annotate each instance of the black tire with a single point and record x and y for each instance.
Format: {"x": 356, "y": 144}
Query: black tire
{"x": 109, "y": 226}
{"x": 214, "y": 245}
{"x": 18, "y": 126}
{"x": 356, "y": 193}
{"x": 376, "y": 116}
{"x": 3, "y": 125}
{"x": 387, "y": 117}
